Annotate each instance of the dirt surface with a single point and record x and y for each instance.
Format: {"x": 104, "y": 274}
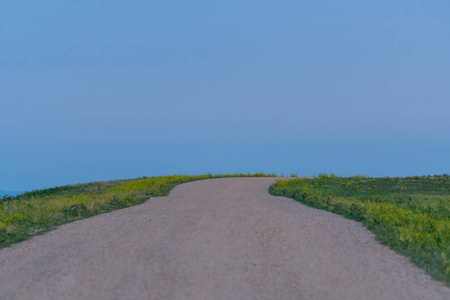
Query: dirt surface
{"x": 213, "y": 239}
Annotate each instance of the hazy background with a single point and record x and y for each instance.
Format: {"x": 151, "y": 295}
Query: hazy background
{"x": 97, "y": 90}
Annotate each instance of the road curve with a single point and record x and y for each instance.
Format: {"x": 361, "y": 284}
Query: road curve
{"x": 212, "y": 239}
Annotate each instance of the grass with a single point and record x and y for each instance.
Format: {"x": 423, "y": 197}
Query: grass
{"x": 410, "y": 215}
{"x": 39, "y": 211}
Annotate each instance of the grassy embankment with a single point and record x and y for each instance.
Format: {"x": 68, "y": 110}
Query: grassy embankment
{"x": 410, "y": 215}
{"x": 36, "y": 212}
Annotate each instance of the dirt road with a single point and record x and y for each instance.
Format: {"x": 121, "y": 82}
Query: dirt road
{"x": 213, "y": 239}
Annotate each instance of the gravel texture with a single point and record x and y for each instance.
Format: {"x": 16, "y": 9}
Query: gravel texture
{"x": 212, "y": 239}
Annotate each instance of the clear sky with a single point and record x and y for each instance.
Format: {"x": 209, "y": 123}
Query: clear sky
{"x": 97, "y": 90}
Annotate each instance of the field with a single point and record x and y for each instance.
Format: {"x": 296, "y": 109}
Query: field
{"x": 36, "y": 212}
{"x": 410, "y": 215}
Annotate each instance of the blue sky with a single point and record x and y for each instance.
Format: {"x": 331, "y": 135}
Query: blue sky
{"x": 98, "y": 90}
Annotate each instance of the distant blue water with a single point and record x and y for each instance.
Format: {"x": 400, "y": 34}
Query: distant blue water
{"x": 54, "y": 165}
{"x": 10, "y": 193}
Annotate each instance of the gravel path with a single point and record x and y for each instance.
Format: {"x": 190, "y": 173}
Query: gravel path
{"x": 213, "y": 239}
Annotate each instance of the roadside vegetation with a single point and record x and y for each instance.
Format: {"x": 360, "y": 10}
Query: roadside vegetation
{"x": 39, "y": 211}
{"x": 410, "y": 215}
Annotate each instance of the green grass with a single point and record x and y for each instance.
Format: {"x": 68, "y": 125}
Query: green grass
{"x": 410, "y": 215}
{"x": 39, "y": 211}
